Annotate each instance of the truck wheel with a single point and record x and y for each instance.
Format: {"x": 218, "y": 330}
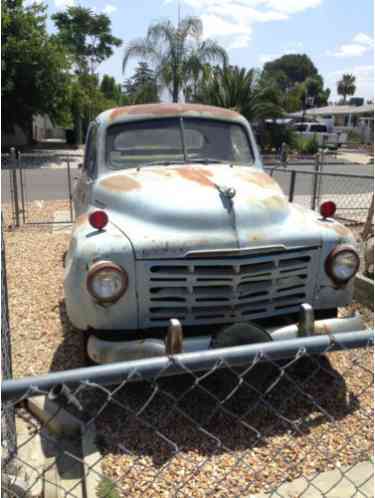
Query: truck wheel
{"x": 242, "y": 334}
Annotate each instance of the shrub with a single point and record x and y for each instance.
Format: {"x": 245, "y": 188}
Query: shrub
{"x": 354, "y": 137}
{"x": 274, "y": 135}
{"x": 307, "y": 145}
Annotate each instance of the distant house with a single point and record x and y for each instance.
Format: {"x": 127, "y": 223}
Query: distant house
{"x": 359, "y": 118}
{"x": 43, "y": 129}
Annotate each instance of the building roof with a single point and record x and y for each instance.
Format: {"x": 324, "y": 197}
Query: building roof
{"x": 336, "y": 109}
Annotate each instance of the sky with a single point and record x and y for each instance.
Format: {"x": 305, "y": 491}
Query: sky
{"x": 336, "y": 34}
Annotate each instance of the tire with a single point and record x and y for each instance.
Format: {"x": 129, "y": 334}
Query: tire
{"x": 244, "y": 334}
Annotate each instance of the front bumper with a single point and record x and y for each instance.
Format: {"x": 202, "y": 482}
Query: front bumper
{"x": 104, "y": 351}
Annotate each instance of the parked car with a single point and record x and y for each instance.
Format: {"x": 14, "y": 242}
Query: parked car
{"x": 321, "y": 133}
{"x": 182, "y": 242}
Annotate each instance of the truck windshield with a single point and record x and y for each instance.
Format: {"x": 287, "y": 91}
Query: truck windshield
{"x": 164, "y": 141}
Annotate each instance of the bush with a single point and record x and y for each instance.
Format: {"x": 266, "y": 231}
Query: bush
{"x": 307, "y": 145}
{"x": 354, "y": 137}
{"x": 274, "y": 135}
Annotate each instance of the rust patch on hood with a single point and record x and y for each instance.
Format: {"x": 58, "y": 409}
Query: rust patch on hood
{"x": 155, "y": 110}
{"x": 120, "y": 183}
{"x": 197, "y": 175}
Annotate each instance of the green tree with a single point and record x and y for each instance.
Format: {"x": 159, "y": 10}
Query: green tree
{"x": 299, "y": 80}
{"x": 243, "y": 90}
{"x": 34, "y": 68}
{"x": 291, "y": 68}
{"x": 87, "y": 36}
{"x": 175, "y": 52}
{"x": 142, "y": 87}
{"x": 310, "y": 93}
{"x": 110, "y": 89}
{"x": 346, "y": 86}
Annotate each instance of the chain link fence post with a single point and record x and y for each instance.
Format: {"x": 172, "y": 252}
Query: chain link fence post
{"x": 8, "y": 420}
{"x": 315, "y": 181}
{"x": 68, "y": 170}
{"x": 22, "y": 185}
{"x": 14, "y": 184}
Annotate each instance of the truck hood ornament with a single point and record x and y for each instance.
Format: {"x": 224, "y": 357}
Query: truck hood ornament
{"x": 228, "y": 192}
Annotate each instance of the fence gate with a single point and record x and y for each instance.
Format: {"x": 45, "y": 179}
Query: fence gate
{"x": 37, "y": 189}
{"x": 352, "y": 193}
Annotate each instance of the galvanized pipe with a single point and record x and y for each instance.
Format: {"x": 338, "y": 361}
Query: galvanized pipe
{"x": 70, "y": 191}
{"x": 315, "y": 182}
{"x": 183, "y": 363}
{"x": 292, "y": 185}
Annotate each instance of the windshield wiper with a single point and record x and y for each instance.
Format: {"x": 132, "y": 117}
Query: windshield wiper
{"x": 207, "y": 160}
{"x": 203, "y": 160}
{"x": 161, "y": 163}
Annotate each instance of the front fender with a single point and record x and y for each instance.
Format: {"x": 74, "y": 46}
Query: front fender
{"x": 86, "y": 247}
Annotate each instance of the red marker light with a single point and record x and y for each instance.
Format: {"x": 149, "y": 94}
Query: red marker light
{"x": 98, "y": 219}
{"x": 328, "y": 209}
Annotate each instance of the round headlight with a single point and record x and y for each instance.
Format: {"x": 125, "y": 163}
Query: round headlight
{"x": 107, "y": 281}
{"x": 342, "y": 264}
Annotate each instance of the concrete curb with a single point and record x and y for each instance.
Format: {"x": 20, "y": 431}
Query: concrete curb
{"x": 364, "y": 291}
{"x": 345, "y": 482}
{"x": 53, "y": 417}
{"x": 91, "y": 462}
{"x": 67, "y": 427}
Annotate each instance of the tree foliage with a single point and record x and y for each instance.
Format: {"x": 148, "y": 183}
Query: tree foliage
{"x": 110, "y": 89}
{"x": 242, "y": 90}
{"x": 142, "y": 87}
{"x": 86, "y": 35}
{"x": 34, "y": 68}
{"x": 176, "y": 53}
{"x": 291, "y": 69}
{"x": 346, "y": 86}
{"x": 88, "y": 38}
{"x": 299, "y": 80}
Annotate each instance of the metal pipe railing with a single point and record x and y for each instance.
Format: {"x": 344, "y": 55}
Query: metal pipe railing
{"x": 186, "y": 362}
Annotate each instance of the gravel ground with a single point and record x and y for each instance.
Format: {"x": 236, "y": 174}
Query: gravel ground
{"x": 35, "y": 212}
{"x": 186, "y": 443}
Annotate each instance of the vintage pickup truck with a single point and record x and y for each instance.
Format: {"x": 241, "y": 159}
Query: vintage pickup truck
{"x": 183, "y": 243}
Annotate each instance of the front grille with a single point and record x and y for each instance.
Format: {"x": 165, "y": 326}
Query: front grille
{"x": 225, "y": 290}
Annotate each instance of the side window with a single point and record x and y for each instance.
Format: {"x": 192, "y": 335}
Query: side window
{"x": 90, "y": 154}
{"x": 318, "y": 128}
{"x": 240, "y": 145}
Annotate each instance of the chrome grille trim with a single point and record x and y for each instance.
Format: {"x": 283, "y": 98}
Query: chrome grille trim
{"x": 225, "y": 290}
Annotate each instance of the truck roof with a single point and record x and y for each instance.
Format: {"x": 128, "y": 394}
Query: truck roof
{"x": 147, "y": 111}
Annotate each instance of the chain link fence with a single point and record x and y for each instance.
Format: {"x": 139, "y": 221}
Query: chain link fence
{"x": 292, "y": 419}
{"x": 352, "y": 194}
{"x": 37, "y": 188}
{"x": 8, "y": 417}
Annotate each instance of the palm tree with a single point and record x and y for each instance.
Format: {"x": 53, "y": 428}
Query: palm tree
{"x": 177, "y": 54}
{"x": 346, "y": 86}
{"x": 255, "y": 97}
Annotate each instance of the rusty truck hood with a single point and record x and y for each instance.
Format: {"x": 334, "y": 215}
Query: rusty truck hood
{"x": 172, "y": 211}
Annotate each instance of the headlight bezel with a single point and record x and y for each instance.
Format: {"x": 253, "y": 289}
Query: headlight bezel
{"x": 106, "y": 265}
{"x": 330, "y": 262}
